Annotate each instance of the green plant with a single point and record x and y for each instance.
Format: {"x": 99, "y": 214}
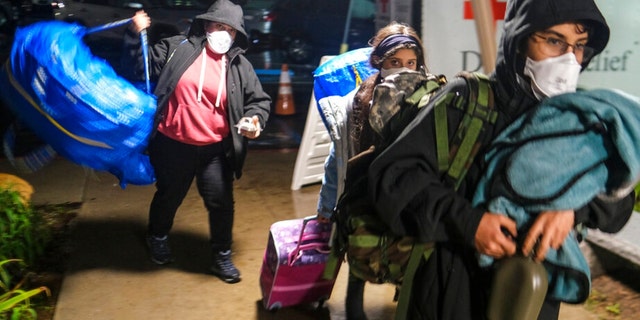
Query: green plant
{"x": 22, "y": 234}
{"x": 614, "y": 308}
{"x": 15, "y": 302}
{"x": 636, "y": 206}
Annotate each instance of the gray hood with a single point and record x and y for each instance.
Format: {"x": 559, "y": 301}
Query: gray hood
{"x": 227, "y": 12}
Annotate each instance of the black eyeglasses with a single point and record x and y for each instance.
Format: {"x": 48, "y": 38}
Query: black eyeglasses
{"x": 556, "y": 47}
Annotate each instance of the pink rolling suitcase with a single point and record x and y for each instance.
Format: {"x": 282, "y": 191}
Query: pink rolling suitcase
{"x": 294, "y": 263}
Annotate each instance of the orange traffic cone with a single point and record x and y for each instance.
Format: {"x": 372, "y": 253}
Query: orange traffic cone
{"x": 284, "y": 103}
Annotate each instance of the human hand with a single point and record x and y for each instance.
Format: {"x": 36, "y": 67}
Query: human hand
{"x": 550, "y": 229}
{"x": 140, "y": 21}
{"x": 249, "y": 127}
{"x": 496, "y": 235}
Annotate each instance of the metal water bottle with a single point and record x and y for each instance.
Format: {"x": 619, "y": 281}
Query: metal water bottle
{"x": 518, "y": 290}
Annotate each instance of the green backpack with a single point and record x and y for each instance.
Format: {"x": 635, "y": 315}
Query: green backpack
{"x": 373, "y": 252}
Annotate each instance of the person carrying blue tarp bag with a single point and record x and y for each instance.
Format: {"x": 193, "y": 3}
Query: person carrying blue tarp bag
{"x": 210, "y": 101}
{"x": 545, "y": 45}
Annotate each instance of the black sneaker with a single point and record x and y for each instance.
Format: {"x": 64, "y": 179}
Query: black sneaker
{"x": 160, "y": 251}
{"x": 223, "y": 267}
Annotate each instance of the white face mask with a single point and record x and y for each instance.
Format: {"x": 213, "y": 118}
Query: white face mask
{"x": 219, "y": 41}
{"x": 553, "y": 76}
{"x": 387, "y": 72}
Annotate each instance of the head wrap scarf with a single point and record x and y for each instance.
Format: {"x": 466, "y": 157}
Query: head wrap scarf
{"x": 391, "y": 42}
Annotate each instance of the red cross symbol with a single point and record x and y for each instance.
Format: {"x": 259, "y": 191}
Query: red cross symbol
{"x": 497, "y": 7}
{"x": 384, "y": 5}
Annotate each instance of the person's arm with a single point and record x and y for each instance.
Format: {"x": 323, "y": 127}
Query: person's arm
{"x": 410, "y": 196}
{"x": 256, "y": 102}
{"x": 335, "y": 110}
{"x": 139, "y": 22}
{"x": 329, "y": 190}
{"x": 551, "y": 228}
{"x": 131, "y": 58}
{"x": 606, "y": 215}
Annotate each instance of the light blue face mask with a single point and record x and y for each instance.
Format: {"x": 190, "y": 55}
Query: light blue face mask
{"x": 387, "y": 72}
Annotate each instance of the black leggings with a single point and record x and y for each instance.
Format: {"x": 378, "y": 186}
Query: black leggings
{"x": 176, "y": 164}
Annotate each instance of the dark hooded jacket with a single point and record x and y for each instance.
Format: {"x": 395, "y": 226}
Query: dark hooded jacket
{"x": 170, "y": 58}
{"x": 411, "y": 196}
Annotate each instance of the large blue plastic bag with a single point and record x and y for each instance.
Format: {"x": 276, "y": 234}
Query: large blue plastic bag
{"x": 77, "y": 103}
{"x": 336, "y": 78}
{"x": 342, "y": 73}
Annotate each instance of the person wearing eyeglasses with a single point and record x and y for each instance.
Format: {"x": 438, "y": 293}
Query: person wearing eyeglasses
{"x": 551, "y": 58}
{"x": 545, "y": 46}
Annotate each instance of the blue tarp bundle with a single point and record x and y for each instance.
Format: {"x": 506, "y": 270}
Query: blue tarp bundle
{"x": 77, "y": 103}
{"x": 343, "y": 73}
{"x": 334, "y": 80}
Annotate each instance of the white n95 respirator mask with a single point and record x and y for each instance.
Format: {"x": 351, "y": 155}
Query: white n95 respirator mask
{"x": 553, "y": 76}
{"x": 219, "y": 41}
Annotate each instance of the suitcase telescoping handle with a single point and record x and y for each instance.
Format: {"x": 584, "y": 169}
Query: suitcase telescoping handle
{"x": 305, "y": 221}
{"x": 296, "y": 254}
{"x": 143, "y": 41}
{"x": 320, "y": 246}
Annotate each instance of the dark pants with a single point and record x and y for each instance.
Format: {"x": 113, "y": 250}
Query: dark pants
{"x": 550, "y": 310}
{"x": 175, "y": 165}
{"x": 354, "y": 299}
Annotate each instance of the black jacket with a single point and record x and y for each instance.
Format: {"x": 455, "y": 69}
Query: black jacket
{"x": 410, "y": 196}
{"x": 170, "y": 58}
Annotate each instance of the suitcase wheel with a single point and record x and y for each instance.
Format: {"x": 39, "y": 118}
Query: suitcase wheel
{"x": 275, "y": 306}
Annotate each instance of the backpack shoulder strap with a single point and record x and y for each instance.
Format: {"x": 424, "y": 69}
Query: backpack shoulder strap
{"x": 421, "y": 96}
{"x": 455, "y": 156}
{"x": 397, "y": 100}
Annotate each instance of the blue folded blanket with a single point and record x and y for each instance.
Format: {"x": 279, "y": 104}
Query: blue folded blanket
{"x": 560, "y": 155}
